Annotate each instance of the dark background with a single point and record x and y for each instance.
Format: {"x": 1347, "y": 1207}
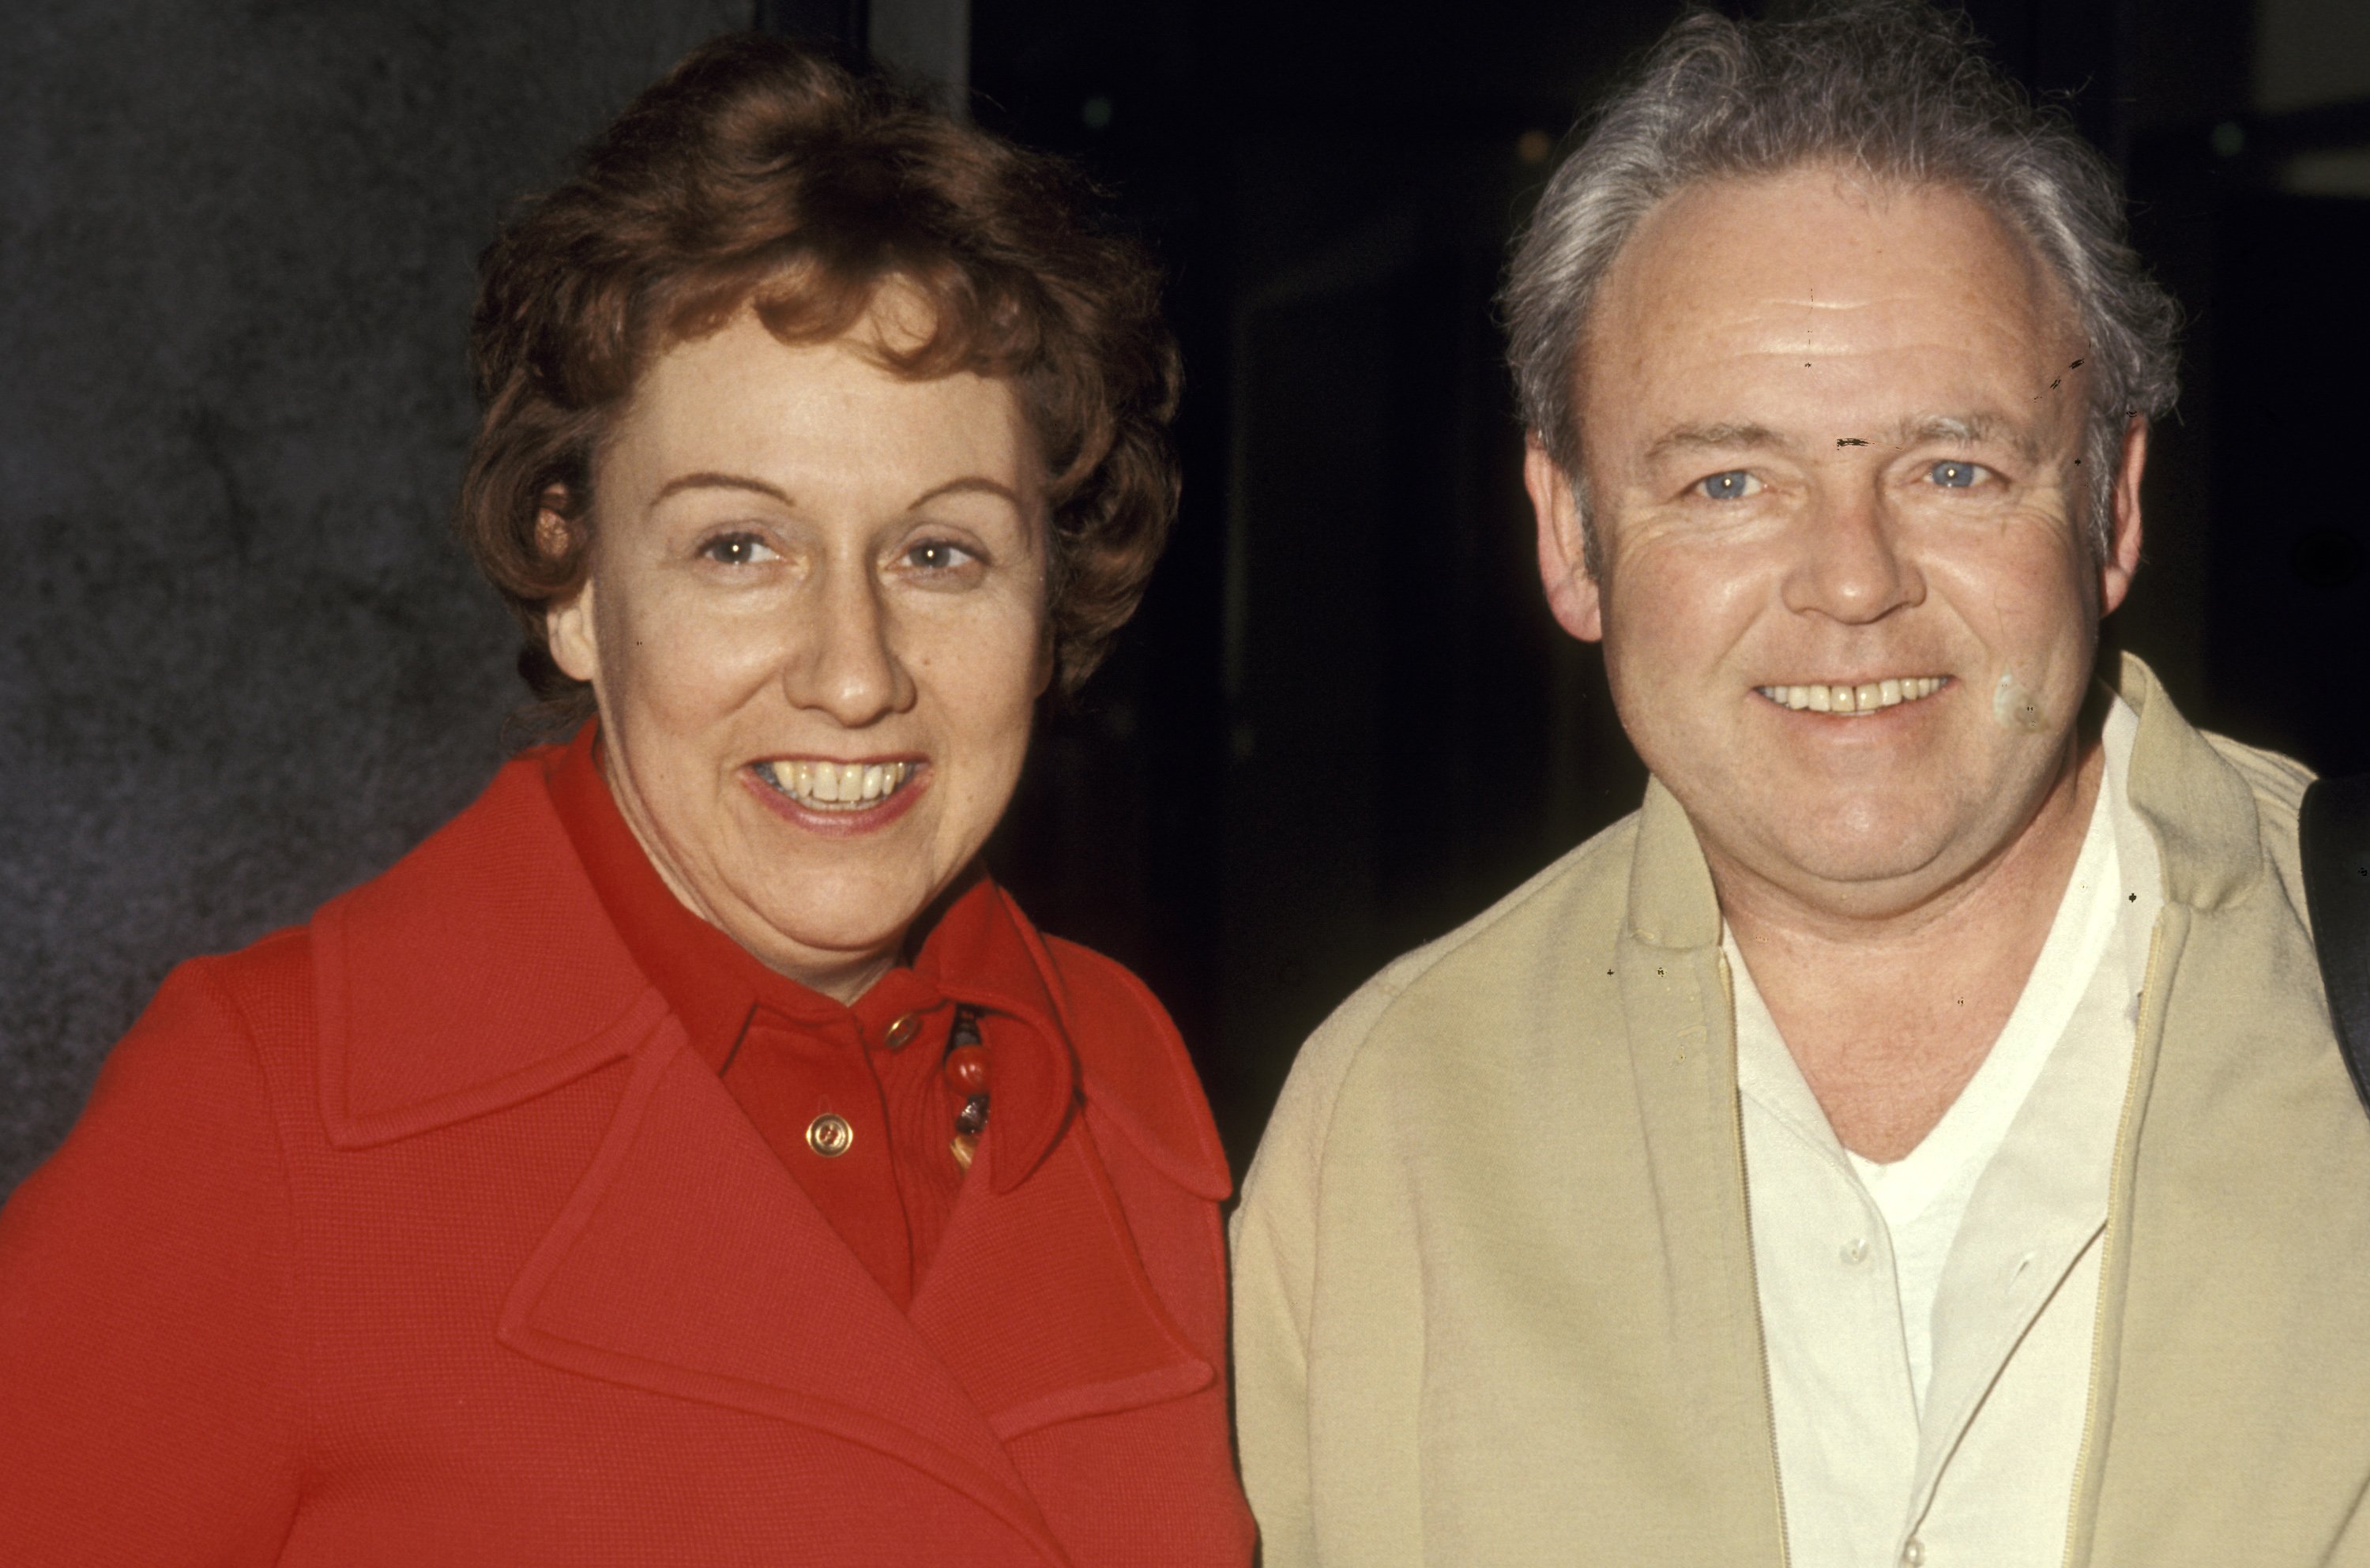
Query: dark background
{"x": 242, "y": 666}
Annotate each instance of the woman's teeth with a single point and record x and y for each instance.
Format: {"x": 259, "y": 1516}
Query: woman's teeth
{"x": 1865, "y": 698}
{"x": 837, "y": 785}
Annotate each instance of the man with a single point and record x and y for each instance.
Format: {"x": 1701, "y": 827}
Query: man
{"x": 1916, "y": 1136}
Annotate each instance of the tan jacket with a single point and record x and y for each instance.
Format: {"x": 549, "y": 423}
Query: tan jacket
{"x": 1494, "y": 1294}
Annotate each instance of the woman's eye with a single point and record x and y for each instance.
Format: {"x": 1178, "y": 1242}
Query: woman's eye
{"x": 736, "y": 550}
{"x": 1951, "y": 474}
{"x": 1734, "y": 485}
{"x": 936, "y": 555}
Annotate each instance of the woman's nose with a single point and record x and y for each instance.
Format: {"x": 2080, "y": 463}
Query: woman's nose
{"x": 845, "y": 662}
{"x": 1849, "y": 563}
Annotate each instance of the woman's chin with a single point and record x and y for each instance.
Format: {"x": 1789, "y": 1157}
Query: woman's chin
{"x": 832, "y": 928}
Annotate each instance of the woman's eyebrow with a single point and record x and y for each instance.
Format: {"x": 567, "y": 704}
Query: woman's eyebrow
{"x": 719, "y": 481}
{"x": 972, "y": 483}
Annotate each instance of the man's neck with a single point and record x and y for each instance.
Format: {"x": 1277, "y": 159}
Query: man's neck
{"x": 1888, "y": 1017}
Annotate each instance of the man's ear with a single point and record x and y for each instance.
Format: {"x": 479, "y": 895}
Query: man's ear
{"x": 567, "y": 623}
{"x": 1563, "y": 550}
{"x": 2122, "y": 560}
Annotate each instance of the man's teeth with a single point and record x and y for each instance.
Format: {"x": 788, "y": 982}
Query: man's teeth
{"x": 840, "y": 786}
{"x": 1865, "y": 698}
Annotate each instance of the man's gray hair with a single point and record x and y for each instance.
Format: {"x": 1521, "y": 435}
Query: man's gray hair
{"x": 1892, "y": 89}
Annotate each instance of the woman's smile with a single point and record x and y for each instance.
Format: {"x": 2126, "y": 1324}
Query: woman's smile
{"x": 839, "y": 799}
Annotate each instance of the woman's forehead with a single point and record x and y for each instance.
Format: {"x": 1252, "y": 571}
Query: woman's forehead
{"x": 829, "y": 413}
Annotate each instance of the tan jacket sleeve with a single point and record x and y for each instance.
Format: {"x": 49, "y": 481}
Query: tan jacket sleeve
{"x": 1275, "y": 1245}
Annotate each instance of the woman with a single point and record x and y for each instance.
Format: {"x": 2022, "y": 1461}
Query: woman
{"x": 687, "y": 1154}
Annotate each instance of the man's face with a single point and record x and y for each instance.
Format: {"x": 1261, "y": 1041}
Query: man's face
{"x": 1830, "y": 434}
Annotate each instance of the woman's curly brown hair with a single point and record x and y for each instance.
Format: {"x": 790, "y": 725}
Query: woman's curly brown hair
{"x": 761, "y": 174}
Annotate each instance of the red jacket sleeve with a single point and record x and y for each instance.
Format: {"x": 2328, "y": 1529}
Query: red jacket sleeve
{"x": 150, "y": 1396}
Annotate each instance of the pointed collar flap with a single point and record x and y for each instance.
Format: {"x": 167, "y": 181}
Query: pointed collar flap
{"x": 2199, "y": 807}
{"x": 1113, "y": 1042}
{"x": 479, "y": 972}
{"x": 1671, "y": 902}
{"x": 984, "y": 952}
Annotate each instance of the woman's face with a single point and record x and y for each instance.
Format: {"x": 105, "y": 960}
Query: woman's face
{"x": 815, "y": 623}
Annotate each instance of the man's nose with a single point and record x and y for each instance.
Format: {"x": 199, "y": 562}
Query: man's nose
{"x": 1850, "y": 564}
{"x": 845, "y": 660}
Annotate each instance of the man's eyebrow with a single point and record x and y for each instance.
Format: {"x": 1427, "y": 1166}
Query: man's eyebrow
{"x": 1693, "y": 438}
{"x": 719, "y": 481}
{"x": 1971, "y": 429}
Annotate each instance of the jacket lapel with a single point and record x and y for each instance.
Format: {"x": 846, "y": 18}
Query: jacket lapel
{"x": 2232, "y": 1372}
{"x": 531, "y": 987}
{"x": 1680, "y": 1025}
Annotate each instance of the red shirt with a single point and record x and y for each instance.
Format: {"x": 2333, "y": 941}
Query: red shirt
{"x": 790, "y": 1055}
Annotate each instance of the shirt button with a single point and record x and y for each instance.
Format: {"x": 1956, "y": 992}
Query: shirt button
{"x": 901, "y": 1033}
{"x": 1856, "y": 1250}
{"x": 830, "y": 1135}
{"x": 1914, "y": 1554}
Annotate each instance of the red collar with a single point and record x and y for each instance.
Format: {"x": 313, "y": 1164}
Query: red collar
{"x": 536, "y": 987}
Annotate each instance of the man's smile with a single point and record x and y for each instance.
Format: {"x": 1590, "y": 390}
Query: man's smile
{"x": 1861, "y": 697}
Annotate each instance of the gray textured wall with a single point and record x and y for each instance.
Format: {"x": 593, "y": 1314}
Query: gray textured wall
{"x": 241, "y": 666}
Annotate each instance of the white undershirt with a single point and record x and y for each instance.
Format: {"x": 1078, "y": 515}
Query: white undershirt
{"x": 1928, "y": 1322}
{"x": 1923, "y": 1195}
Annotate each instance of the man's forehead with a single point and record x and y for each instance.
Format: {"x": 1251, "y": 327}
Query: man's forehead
{"x": 1760, "y": 312}
{"x": 1819, "y": 243}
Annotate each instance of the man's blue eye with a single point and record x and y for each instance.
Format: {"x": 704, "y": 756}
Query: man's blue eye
{"x": 1954, "y": 475}
{"x": 1731, "y": 486}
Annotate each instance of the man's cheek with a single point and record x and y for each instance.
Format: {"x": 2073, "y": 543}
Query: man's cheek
{"x": 2016, "y": 707}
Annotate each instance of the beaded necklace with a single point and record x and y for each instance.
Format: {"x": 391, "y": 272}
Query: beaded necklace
{"x": 966, "y": 1070}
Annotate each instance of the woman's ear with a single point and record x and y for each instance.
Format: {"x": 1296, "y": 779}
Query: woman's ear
{"x": 567, "y": 623}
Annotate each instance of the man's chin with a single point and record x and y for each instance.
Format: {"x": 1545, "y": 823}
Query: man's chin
{"x": 1875, "y": 868}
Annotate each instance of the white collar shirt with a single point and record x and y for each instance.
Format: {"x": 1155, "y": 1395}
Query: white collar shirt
{"x": 1929, "y": 1322}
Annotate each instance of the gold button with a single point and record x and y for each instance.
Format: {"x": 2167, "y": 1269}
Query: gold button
{"x": 830, "y": 1135}
{"x": 902, "y": 1033}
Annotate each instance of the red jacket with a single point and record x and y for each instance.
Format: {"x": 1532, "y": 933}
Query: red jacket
{"x": 418, "y": 1236}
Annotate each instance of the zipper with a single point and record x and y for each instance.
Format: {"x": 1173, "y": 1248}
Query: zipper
{"x": 2150, "y": 1004}
{"x": 1753, "y": 1277}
